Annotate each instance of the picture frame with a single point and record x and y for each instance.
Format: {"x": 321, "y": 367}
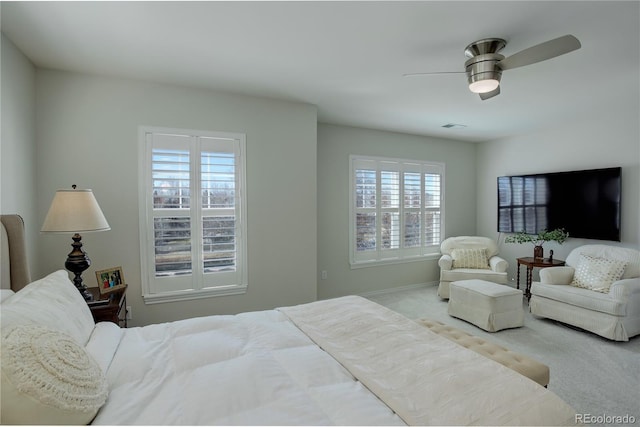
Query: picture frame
{"x": 110, "y": 280}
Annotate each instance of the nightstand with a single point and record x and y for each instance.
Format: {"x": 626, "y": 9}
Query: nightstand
{"x": 110, "y": 307}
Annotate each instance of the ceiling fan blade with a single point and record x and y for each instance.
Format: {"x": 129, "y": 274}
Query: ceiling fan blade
{"x": 541, "y": 52}
{"x": 428, "y": 74}
{"x": 485, "y": 96}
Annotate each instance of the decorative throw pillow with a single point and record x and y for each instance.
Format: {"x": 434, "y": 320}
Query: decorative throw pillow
{"x": 597, "y": 274}
{"x": 470, "y": 258}
{"x": 47, "y": 378}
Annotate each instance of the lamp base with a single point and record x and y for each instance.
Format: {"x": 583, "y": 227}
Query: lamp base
{"x": 85, "y": 293}
{"x": 77, "y": 262}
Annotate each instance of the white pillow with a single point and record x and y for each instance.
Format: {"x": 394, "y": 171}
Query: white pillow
{"x": 597, "y": 274}
{"x": 47, "y": 378}
{"x": 53, "y": 302}
{"x": 470, "y": 258}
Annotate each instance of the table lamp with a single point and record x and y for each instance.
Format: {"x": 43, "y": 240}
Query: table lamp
{"x": 75, "y": 211}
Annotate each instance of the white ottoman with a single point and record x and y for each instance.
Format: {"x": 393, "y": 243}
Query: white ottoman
{"x": 487, "y": 305}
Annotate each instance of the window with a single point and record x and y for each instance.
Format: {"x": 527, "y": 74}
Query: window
{"x": 192, "y": 226}
{"x": 397, "y": 210}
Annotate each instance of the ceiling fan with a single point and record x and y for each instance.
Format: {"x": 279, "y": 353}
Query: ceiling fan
{"x": 485, "y": 65}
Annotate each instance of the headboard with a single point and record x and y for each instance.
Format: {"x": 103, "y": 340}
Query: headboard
{"x": 14, "y": 268}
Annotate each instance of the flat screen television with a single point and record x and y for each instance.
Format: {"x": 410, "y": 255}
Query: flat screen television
{"x": 585, "y": 203}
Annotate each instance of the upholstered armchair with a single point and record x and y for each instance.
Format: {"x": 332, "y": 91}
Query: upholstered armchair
{"x": 598, "y": 290}
{"x": 470, "y": 257}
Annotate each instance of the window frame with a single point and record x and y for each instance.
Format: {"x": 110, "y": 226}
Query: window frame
{"x": 154, "y": 289}
{"x": 400, "y": 255}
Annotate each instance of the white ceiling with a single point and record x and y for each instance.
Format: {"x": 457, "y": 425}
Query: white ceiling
{"x": 348, "y": 58}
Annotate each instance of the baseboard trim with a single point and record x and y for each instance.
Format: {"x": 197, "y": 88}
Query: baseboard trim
{"x": 399, "y": 288}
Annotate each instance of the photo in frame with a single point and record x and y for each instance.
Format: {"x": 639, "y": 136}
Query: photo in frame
{"x": 110, "y": 280}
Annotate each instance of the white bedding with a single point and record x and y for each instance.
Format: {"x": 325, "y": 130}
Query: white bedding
{"x": 259, "y": 368}
{"x": 312, "y": 364}
{"x": 250, "y": 369}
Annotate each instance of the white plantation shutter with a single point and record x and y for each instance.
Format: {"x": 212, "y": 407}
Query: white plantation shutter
{"x": 412, "y": 196}
{"x": 192, "y": 228}
{"x": 396, "y": 209}
{"x": 433, "y": 207}
{"x": 171, "y": 184}
{"x": 390, "y": 208}
{"x": 218, "y": 186}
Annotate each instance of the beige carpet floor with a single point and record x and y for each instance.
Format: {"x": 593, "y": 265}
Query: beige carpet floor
{"x": 594, "y": 375}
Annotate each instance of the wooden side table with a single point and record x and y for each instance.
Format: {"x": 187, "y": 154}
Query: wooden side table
{"x": 114, "y": 310}
{"x": 530, "y": 263}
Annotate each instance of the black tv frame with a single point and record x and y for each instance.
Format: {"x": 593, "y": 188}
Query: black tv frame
{"x": 586, "y": 203}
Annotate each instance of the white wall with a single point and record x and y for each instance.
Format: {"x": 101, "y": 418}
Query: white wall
{"x": 18, "y": 142}
{"x": 87, "y": 129}
{"x": 611, "y": 140}
{"x": 335, "y": 144}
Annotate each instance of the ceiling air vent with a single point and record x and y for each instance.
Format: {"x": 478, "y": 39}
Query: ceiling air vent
{"x": 454, "y": 126}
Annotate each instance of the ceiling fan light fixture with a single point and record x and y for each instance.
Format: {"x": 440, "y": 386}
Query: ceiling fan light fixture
{"x": 483, "y": 72}
{"x": 484, "y": 86}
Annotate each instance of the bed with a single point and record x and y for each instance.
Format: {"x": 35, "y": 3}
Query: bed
{"x": 344, "y": 361}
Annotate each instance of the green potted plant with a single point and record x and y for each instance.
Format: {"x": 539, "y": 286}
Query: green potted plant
{"x": 558, "y": 235}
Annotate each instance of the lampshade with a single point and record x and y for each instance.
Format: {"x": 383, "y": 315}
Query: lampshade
{"x": 74, "y": 211}
{"x": 484, "y": 86}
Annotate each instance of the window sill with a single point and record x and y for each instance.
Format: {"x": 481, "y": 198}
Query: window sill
{"x": 377, "y": 263}
{"x": 194, "y": 294}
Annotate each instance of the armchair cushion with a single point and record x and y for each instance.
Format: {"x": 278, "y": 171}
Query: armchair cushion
{"x": 625, "y": 288}
{"x": 445, "y": 262}
{"x": 580, "y": 297}
{"x": 597, "y": 274}
{"x": 498, "y": 264}
{"x": 470, "y": 258}
{"x": 557, "y": 275}
{"x": 472, "y": 273}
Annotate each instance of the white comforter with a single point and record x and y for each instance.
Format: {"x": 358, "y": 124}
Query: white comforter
{"x": 260, "y": 369}
{"x": 250, "y": 369}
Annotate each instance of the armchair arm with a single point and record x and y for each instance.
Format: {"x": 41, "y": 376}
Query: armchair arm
{"x": 445, "y": 262}
{"x": 557, "y": 275}
{"x": 498, "y": 264}
{"x": 622, "y": 289}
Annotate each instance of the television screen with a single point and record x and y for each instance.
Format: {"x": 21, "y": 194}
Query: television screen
{"x": 585, "y": 203}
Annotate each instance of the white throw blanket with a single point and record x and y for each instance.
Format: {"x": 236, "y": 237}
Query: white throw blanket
{"x": 424, "y": 378}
